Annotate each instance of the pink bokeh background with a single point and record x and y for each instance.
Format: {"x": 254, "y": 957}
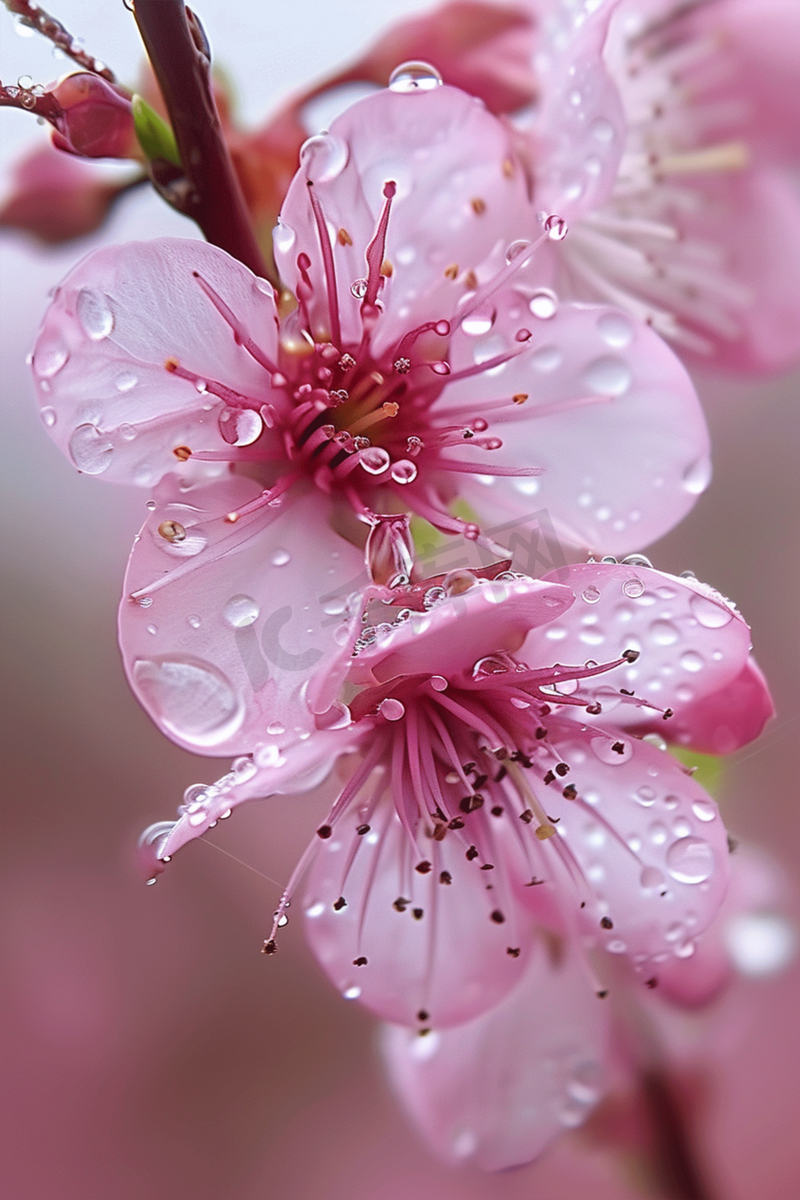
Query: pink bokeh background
{"x": 150, "y": 1049}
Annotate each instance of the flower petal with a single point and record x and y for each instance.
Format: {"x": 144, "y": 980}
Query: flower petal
{"x": 611, "y": 415}
{"x": 692, "y": 644}
{"x": 459, "y": 190}
{"x": 725, "y": 720}
{"x": 99, "y": 364}
{"x": 435, "y": 951}
{"x": 647, "y": 840}
{"x": 495, "y": 1091}
{"x": 579, "y": 133}
{"x": 223, "y": 626}
{"x": 459, "y": 629}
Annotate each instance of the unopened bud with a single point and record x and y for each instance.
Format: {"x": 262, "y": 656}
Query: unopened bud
{"x": 96, "y": 119}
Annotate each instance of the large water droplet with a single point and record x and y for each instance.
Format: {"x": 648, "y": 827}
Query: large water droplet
{"x": 608, "y": 376}
{"x": 323, "y": 157}
{"x": 591, "y": 594}
{"x": 615, "y": 329}
{"x": 543, "y": 304}
{"x": 94, "y": 313}
{"x": 690, "y": 860}
{"x": 404, "y": 471}
{"x": 190, "y": 698}
{"x": 692, "y": 661}
{"x": 391, "y": 709}
{"x": 555, "y": 227}
{"x": 709, "y": 614}
{"x": 240, "y": 426}
{"x": 633, "y": 588}
{"x": 241, "y": 611}
{"x": 49, "y": 357}
{"x": 664, "y": 633}
{"x": 90, "y": 450}
{"x": 480, "y": 321}
{"x": 375, "y": 460}
{"x": 516, "y": 248}
{"x": 704, "y": 810}
{"x": 280, "y": 557}
{"x": 414, "y": 77}
{"x": 697, "y": 477}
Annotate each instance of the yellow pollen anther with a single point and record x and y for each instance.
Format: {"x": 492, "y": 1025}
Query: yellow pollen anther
{"x": 343, "y": 237}
{"x": 543, "y": 832}
{"x": 452, "y": 271}
{"x": 478, "y": 206}
{"x": 388, "y": 409}
{"x": 520, "y": 397}
{"x": 172, "y": 531}
{"x": 172, "y": 364}
{"x": 182, "y": 453}
{"x": 471, "y": 281}
{"x": 387, "y": 269}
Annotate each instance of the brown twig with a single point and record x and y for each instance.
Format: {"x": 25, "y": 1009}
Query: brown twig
{"x": 674, "y": 1161}
{"x": 35, "y": 17}
{"x": 179, "y": 54}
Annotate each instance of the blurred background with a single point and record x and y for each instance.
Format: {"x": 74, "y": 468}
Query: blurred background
{"x": 150, "y": 1048}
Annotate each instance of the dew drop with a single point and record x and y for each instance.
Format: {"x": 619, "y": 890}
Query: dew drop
{"x": 49, "y": 417}
{"x": 458, "y": 581}
{"x": 690, "y": 860}
{"x": 697, "y": 477}
{"x": 375, "y": 460}
{"x": 94, "y": 313}
{"x": 391, "y": 709}
{"x": 633, "y": 588}
{"x": 189, "y": 698}
{"x": 324, "y": 157}
{"x": 555, "y": 228}
{"x": 516, "y": 248}
{"x": 479, "y": 322}
{"x": 49, "y": 358}
{"x": 412, "y": 77}
{"x": 125, "y": 381}
{"x": 591, "y": 594}
{"x": 692, "y": 661}
{"x": 608, "y": 376}
{"x": 543, "y": 304}
{"x": 613, "y": 751}
{"x": 434, "y": 596}
{"x": 280, "y": 557}
{"x": 404, "y": 471}
{"x": 602, "y": 130}
{"x": 645, "y": 795}
{"x": 615, "y": 329}
{"x": 127, "y": 432}
{"x": 90, "y": 450}
{"x": 709, "y": 614}
{"x": 352, "y": 992}
{"x": 664, "y": 633}
{"x": 358, "y": 288}
{"x": 194, "y": 620}
{"x": 704, "y": 810}
{"x": 241, "y": 611}
{"x": 240, "y": 426}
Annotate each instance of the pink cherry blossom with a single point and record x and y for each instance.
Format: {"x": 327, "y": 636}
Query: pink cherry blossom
{"x": 491, "y": 790}
{"x": 668, "y": 144}
{"x": 385, "y": 386}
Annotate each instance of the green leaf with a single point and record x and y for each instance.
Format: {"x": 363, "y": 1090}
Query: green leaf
{"x": 153, "y": 133}
{"x": 709, "y": 767}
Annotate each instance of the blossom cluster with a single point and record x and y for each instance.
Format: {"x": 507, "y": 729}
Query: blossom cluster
{"x": 474, "y": 324}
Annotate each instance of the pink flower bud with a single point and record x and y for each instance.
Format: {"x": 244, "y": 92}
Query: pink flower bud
{"x": 96, "y": 121}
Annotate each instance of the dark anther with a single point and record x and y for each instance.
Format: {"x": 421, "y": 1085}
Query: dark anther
{"x": 445, "y": 877}
{"x": 270, "y": 947}
{"x": 362, "y": 829}
{"x": 541, "y": 733}
{"x": 497, "y": 917}
{"x": 526, "y": 816}
{"x": 487, "y": 867}
{"x": 583, "y": 904}
{"x": 545, "y": 710}
{"x": 651, "y": 983}
{"x": 549, "y": 777}
{"x": 471, "y": 803}
{"x": 417, "y": 913}
{"x": 497, "y": 810}
{"x": 439, "y": 830}
{"x": 562, "y": 768}
{"x": 500, "y": 753}
{"x": 733, "y": 844}
{"x": 422, "y": 1015}
{"x": 360, "y": 962}
{"x": 606, "y": 922}
{"x": 479, "y": 781}
{"x": 324, "y": 831}
{"x": 618, "y": 747}
{"x": 602, "y": 995}
{"x": 423, "y": 867}
{"x": 534, "y": 882}
{"x": 625, "y": 692}
{"x": 456, "y": 823}
{"x": 501, "y": 774}
{"x": 469, "y": 767}
{"x": 472, "y": 853}
{"x": 401, "y": 904}
{"x": 630, "y": 655}
{"x": 594, "y": 709}
{"x": 513, "y": 951}
{"x": 667, "y": 713}
{"x": 339, "y": 904}
{"x": 570, "y": 792}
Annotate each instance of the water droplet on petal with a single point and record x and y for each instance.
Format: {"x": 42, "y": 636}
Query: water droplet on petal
{"x": 352, "y": 992}
{"x": 615, "y": 329}
{"x": 190, "y": 698}
{"x": 375, "y": 460}
{"x": 664, "y": 633}
{"x": 49, "y": 417}
{"x": 633, "y": 588}
{"x": 602, "y": 130}
{"x": 612, "y": 750}
{"x": 608, "y": 376}
{"x": 240, "y": 426}
{"x": 404, "y": 471}
{"x": 241, "y": 611}
{"x": 692, "y": 661}
{"x": 414, "y": 77}
{"x": 458, "y": 581}
{"x": 434, "y": 596}
{"x": 194, "y": 620}
{"x": 90, "y": 450}
{"x": 358, "y": 288}
{"x": 391, "y": 709}
{"x": 697, "y": 477}
{"x": 516, "y": 248}
{"x": 704, "y": 810}
{"x": 591, "y": 594}
{"x": 280, "y": 557}
{"x": 323, "y": 157}
{"x": 543, "y": 304}
{"x": 709, "y": 614}
{"x": 94, "y": 313}
{"x": 480, "y": 321}
{"x": 690, "y": 860}
{"x": 49, "y": 357}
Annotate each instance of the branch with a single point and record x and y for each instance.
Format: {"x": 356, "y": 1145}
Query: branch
{"x": 35, "y": 17}
{"x": 180, "y": 57}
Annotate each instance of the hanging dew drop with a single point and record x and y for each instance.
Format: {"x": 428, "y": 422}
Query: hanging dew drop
{"x": 412, "y": 77}
{"x": 555, "y": 227}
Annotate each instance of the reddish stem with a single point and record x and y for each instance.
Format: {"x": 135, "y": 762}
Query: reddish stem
{"x": 180, "y": 58}
{"x": 35, "y": 17}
